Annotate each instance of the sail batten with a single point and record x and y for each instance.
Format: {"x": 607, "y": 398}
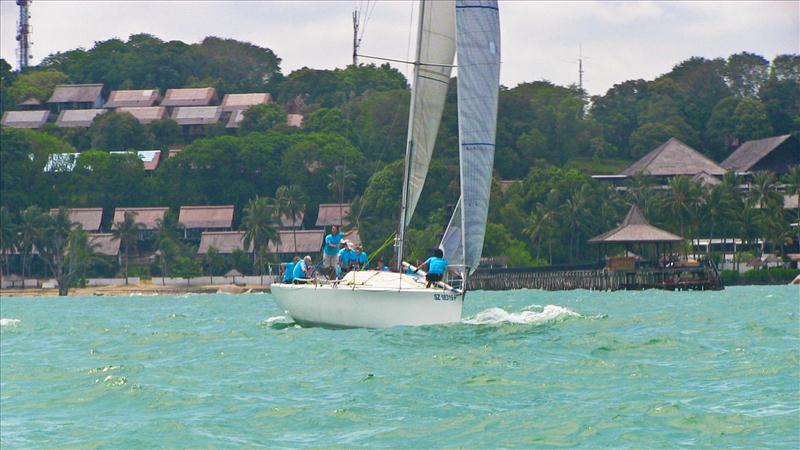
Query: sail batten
{"x": 478, "y": 42}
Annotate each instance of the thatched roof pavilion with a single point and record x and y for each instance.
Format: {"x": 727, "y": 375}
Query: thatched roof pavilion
{"x": 674, "y": 158}
{"x": 635, "y": 229}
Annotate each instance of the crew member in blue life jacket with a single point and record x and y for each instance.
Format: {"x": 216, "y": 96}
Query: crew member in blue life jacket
{"x": 330, "y": 253}
{"x": 347, "y": 257}
{"x": 436, "y": 267}
{"x": 381, "y": 266}
{"x": 301, "y": 273}
{"x": 288, "y": 269}
{"x": 362, "y": 259}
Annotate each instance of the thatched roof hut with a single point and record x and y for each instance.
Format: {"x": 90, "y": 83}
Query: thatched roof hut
{"x": 775, "y": 154}
{"x": 635, "y": 229}
{"x": 674, "y": 158}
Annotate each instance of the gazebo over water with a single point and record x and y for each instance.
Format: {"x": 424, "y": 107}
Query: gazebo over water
{"x": 636, "y": 230}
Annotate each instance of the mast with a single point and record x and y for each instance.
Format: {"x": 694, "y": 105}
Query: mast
{"x": 409, "y": 145}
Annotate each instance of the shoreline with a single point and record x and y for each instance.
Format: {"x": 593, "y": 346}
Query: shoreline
{"x": 134, "y": 289}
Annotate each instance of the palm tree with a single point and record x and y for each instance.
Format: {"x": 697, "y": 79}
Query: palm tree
{"x": 127, "y": 232}
{"x": 792, "y": 181}
{"x": 341, "y": 180}
{"x": 291, "y": 202}
{"x": 8, "y": 236}
{"x": 31, "y": 222}
{"x": 213, "y": 261}
{"x": 259, "y": 227}
{"x": 762, "y": 190}
{"x": 716, "y": 210}
{"x": 64, "y": 247}
{"x": 574, "y": 212}
{"x": 681, "y": 201}
{"x": 540, "y": 223}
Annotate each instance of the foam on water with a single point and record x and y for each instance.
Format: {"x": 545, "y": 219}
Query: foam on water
{"x": 9, "y": 322}
{"x": 533, "y": 314}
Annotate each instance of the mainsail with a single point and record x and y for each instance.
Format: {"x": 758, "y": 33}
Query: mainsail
{"x": 478, "y": 41}
{"x": 435, "y": 52}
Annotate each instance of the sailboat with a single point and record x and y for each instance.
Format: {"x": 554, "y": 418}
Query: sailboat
{"x": 469, "y": 29}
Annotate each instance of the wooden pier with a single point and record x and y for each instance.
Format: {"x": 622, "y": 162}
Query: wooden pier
{"x": 702, "y": 277}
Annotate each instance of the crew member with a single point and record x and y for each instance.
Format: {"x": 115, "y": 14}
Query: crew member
{"x": 301, "y": 273}
{"x": 288, "y": 269}
{"x": 330, "y": 253}
{"x": 362, "y": 259}
{"x": 436, "y": 267}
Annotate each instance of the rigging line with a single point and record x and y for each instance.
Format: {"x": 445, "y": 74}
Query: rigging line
{"x": 406, "y": 62}
{"x": 408, "y": 49}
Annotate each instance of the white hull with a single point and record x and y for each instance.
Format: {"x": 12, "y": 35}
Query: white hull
{"x": 365, "y": 306}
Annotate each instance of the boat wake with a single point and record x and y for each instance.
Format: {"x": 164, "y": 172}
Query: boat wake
{"x": 533, "y": 314}
{"x": 9, "y": 322}
{"x": 279, "y": 322}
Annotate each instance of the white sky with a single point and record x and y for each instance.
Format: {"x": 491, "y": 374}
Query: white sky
{"x": 540, "y": 40}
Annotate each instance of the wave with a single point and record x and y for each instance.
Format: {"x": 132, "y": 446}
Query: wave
{"x": 533, "y": 314}
{"x": 9, "y": 322}
{"x": 278, "y": 322}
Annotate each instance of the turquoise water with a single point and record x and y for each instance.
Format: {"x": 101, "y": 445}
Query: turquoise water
{"x": 597, "y": 369}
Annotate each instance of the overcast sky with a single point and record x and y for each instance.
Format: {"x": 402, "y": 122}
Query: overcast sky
{"x": 620, "y": 41}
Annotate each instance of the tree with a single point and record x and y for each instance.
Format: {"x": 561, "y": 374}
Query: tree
{"x": 341, "y": 181}
{"x": 539, "y": 226}
{"x": 792, "y": 181}
{"x": 8, "y": 236}
{"x": 576, "y": 215}
{"x": 65, "y": 249}
{"x": 37, "y": 84}
{"x": 720, "y": 135}
{"x": 681, "y": 202}
{"x": 291, "y": 203}
{"x": 31, "y": 228}
{"x": 717, "y": 211}
{"x": 259, "y": 227}
{"x": 214, "y": 261}
{"x": 127, "y": 232}
{"x": 765, "y": 197}
{"x": 164, "y": 132}
{"x": 745, "y": 73}
{"x": 115, "y": 131}
{"x": 751, "y": 120}
{"x": 262, "y": 118}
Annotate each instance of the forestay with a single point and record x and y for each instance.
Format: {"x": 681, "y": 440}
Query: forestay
{"x": 436, "y": 50}
{"x": 478, "y": 42}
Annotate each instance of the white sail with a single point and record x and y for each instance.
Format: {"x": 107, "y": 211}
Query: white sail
{"x": 478, "y": 37}
{"x": 436, "y": 50}
{"x": 451, "y": 241}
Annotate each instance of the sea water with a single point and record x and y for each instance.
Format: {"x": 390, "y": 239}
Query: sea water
{"x": 524, "y": 369}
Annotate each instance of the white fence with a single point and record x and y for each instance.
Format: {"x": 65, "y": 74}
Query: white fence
{"x": 266, "y": 280}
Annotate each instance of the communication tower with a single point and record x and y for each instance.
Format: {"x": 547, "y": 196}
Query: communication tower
{"x": 24, "y": 34}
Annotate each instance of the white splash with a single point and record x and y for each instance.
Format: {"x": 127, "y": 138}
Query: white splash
{"x": 276, "y": 319}
{"x": 9, "y": 322}
{"x": 533, "y": 314}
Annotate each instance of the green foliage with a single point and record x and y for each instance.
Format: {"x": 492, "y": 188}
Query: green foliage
{"x": 751, "y": 120}
{"x": 115, "y": 131}
{"x": 745, "y": 73}
{"x": 776, "y": 275}
{"x": 329, "y": 88}
{"x": 500, "y": 242}
{"x": 37, "y": 84}
{"x": 163, "y": 133}
{"x": 262, "y": 118}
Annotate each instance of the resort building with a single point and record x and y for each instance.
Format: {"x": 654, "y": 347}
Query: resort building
{"x": 104, "y": 244}
{"x": 674, "y": 158}
{"x": 236, "y": 118}
{"x": 132, "y": 98}
{"x": 287, "y": 222}
{"x": 298, "y": 243}
{"x": 61, "y": 162}
{"x": 294, "y": 120}
{"x": 775, "y": 154}
{"x": 333, "y": 214}
{"x": 89, "y": 218}
{"x": 30, "y": 104}
{"x": 238, "y": 102}
{"x": 144, "y": 114}
{"x": 193, "y": 119}
{"x": 197, "y": 219}
{"x": 77, "y": 118}
{"x": 148, "y": 217}
{"x": 25, "y": 119}
{"x": 226, "y": 242}
{"x": 76, "y": 96}
{"x": 190, "y": 97}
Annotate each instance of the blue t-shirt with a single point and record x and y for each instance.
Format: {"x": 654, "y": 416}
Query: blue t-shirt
{"x": 347, "y": 257}
{"x": 334, "y": 239}
{"x": 299, "y": 270}
{"x": 288, "y": 271}
{"x": 436, "y": 265}
{"x": 363, "y": 259}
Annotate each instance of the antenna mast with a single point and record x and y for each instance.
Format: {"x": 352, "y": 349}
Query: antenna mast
{"x": 24, "y": 34}
{"x": 355, "y": 37}
{"x": 580, "y": 67}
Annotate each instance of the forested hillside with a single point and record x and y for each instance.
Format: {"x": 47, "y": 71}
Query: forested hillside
{"x": 551, "y": 137}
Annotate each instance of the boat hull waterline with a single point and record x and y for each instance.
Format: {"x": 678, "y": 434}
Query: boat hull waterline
{"x": 343, "y": 306}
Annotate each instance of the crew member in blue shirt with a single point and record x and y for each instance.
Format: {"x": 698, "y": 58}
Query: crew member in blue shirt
{"x": 436, "y": 267}
{"x": 302, "y": 271}
{"x": 288, "y": 270}
{"x": 347, "y": 257}
{"x": 330, "y": 253}
{"x": 362, "y": 259}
